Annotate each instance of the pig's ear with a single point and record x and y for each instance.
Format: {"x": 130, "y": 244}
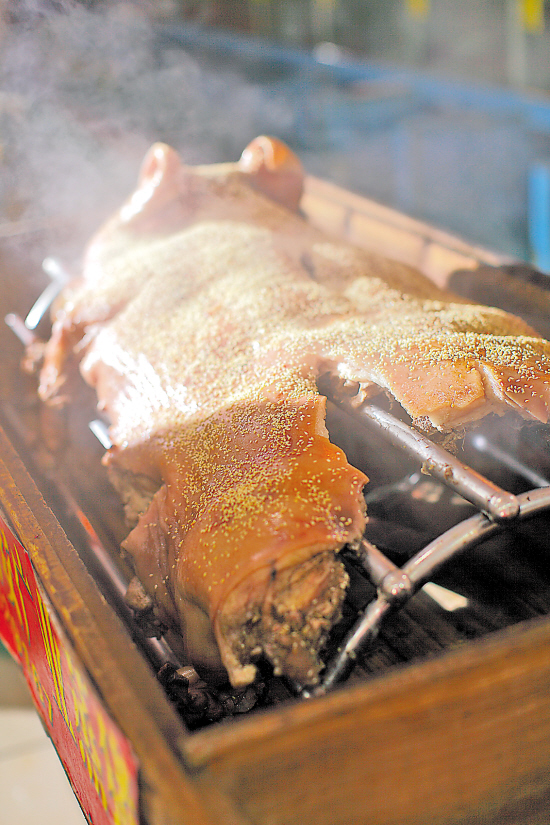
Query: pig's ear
{"x": 273, "y": 169}
{"x": 158, "y": 181}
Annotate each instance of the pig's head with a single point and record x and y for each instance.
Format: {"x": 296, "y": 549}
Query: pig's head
{"x": 269, "y": 166}
{"x": 169, "y": 198}
{"x": 170, "y": 195}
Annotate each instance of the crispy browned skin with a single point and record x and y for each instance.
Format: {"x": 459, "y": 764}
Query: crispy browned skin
{"x": 205, "y": 313}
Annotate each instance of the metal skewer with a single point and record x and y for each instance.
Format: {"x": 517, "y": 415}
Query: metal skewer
{"x": 417, "y": 571}
{"x": 497, "y": 503}
{"x": 58, "y": 278}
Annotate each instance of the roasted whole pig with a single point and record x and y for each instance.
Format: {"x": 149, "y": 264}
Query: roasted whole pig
{"x": 206, "y": 311}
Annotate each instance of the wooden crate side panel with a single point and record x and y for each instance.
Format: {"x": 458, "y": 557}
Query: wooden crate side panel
{"x": 383, "y": 230}
{"x": 464, "y": 738}
{"x": 122, "y": 677}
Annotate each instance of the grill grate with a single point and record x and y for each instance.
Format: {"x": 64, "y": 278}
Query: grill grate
{"x": 470, "y": 510}
{"x": 396, "y": 585}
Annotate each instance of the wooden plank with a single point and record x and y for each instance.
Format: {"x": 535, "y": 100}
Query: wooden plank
{"x": 124, "y": 680}
{"x": 389, "y": 241}
{"x": 459, "y": 739}
{"x": 462, "y": 738}
{"x": 393, "y": 234}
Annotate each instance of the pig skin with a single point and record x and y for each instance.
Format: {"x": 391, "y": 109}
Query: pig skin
{"x": 206, "y": 310}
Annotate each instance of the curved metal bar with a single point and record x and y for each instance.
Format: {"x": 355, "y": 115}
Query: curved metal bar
{"x": 458, "y": 538}
{"x": 534, "y": 502}
{"x": 363, "y": 632}
{"x": 416, "y": 572}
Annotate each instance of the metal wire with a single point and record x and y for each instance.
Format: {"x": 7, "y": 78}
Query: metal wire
{"x": 481, "y": 443}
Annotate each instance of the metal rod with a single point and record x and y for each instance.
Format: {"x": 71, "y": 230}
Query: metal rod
{"x": 466, "y": 534}
{"x": 363, "y": 633}
{"x": 417, "y": 572}
{"x": 534, "y": 501}
{"x": 101, "y": 431}
{"x": 481, "y": 443}
{"x": 376, "y": 564}
{"x": 19, "y": 328}
{"x": 56, "y": 270}
{"x": 158, "y": 650}
{"x": 497, "y": 503}
{"x": 59, "y": 277}
{"x": 42, "y": 304}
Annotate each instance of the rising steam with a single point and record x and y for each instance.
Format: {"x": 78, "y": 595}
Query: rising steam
{"x": 84, "y": 92}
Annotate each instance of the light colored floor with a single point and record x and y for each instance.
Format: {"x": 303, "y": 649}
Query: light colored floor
{"x": 33, "y": 785}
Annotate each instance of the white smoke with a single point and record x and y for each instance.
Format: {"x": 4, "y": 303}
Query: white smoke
{"x": 84, "y": 92}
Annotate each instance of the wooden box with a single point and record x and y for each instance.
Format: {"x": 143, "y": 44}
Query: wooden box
{"x": 461, "y": 738}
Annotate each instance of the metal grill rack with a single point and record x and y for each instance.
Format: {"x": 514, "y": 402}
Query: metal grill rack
{"x": 394, "y": 585}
